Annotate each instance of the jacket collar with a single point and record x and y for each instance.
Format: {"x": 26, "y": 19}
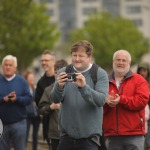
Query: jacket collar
{"x": 112, "y": 77}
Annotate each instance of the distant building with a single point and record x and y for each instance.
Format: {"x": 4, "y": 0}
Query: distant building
{"x": 136, "y": 10}
{"x": 71, "y": 14}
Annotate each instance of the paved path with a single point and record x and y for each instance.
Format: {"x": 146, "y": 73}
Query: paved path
{"x": 41, "y": 144}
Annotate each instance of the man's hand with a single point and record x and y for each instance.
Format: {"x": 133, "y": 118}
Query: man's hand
{"x": 61, "y": 79}
{"x": 54, "y": 106}
{"x": 10, "y": 97}
{"x": 113, "y": 99}
{"x": 81, "y": 82}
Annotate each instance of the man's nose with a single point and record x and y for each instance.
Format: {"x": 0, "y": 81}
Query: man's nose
{"x": 77, "y": 57}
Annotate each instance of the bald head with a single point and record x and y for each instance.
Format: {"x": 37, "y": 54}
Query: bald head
{"x": 123, "y": 52}
{"x": 121, "y": 62}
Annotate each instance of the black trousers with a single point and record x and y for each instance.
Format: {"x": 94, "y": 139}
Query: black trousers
{"x": 69, "y": 143}
{"x": 53, "y": 144}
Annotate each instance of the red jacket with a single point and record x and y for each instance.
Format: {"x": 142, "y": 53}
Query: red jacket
{"x": 128, "y": 116}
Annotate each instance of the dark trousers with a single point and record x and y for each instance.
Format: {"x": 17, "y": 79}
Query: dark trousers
{"x": 68, "y": 143}
{"x": 35, "y": 122}
{"x": 53, "y": 144}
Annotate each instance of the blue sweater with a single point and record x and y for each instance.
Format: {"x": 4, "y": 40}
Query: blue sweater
{"x": 11, "y": 112}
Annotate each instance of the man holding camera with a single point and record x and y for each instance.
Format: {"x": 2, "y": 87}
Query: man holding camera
{"x": 82, "y": 101}
{"x": 14, "y": 96}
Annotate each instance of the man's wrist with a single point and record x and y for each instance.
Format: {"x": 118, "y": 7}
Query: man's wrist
{"x": 80, "y": 87}
{"x": 61, "y": 86}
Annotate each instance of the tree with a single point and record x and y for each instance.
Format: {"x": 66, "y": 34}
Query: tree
{"x": 109, "y": 33}
{"x": 25, "y": 30}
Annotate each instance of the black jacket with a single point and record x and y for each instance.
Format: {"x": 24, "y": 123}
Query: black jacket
{"x": 43, "y": 82}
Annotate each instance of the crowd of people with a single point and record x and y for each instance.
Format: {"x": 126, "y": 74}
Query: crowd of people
{"x": 80, "y": 106}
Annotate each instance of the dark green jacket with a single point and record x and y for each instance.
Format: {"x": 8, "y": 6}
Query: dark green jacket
{"x": 44, "y": 109}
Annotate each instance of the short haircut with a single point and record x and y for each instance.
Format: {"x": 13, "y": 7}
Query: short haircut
{"x": 10, "y": 57}
{"x": 48, "y": 52}
{"x": 121, "y": 50}
{"x": 83, "y": 44}
{"x": 60, "y": 64}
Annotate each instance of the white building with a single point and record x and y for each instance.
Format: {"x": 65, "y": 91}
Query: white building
{"x": 136, "y": 10}
{"x": 73, "y": 13}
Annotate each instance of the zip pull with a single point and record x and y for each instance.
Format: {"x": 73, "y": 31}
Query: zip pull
{"x": 121, "y": 91}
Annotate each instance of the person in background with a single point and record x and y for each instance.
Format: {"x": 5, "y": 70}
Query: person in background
{"x": 47, "y": 61}
{"x": 143, "y": 70}
{"x": 14, "y": 96}
{"x": 124, "y": 111}
{"x": 46, "y": 106}
{"x": 82, "y": 102}
{"x": 33, "y": 117}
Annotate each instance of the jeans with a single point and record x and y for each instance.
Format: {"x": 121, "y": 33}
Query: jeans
{"x": 15, "y": 134}
{"x": 35, "y": 122}
{"x": 125, "y": 142}
{"x": 68, "y": 143}
{"x": 147, "y": 138}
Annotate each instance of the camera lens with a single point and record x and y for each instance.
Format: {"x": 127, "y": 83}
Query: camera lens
{"x": 71, "y": 77}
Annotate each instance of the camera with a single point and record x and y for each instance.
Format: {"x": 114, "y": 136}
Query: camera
{"x": 71, "y": 77}
{"x": 10, "y": 96}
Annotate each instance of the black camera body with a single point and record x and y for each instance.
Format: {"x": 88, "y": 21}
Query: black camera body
{"x": 71, "y": 77}
{"x": 10, "y": 96}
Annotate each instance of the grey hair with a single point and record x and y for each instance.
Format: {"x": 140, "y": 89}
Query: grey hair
{"x": 121, "y": 50}
{"x": 10, "y": 57}
{"x": 48, "y": 52}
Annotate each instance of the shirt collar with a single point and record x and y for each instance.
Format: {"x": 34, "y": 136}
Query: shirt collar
{"x": 83, "y": 70}
{"x": 9, "y": 79}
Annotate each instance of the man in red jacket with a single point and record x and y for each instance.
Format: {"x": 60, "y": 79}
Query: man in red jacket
{"x": 124, "y": 114}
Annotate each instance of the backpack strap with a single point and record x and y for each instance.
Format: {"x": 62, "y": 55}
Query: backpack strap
{"x": 69, "y": 68}
{"x": 93, "y": 71}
